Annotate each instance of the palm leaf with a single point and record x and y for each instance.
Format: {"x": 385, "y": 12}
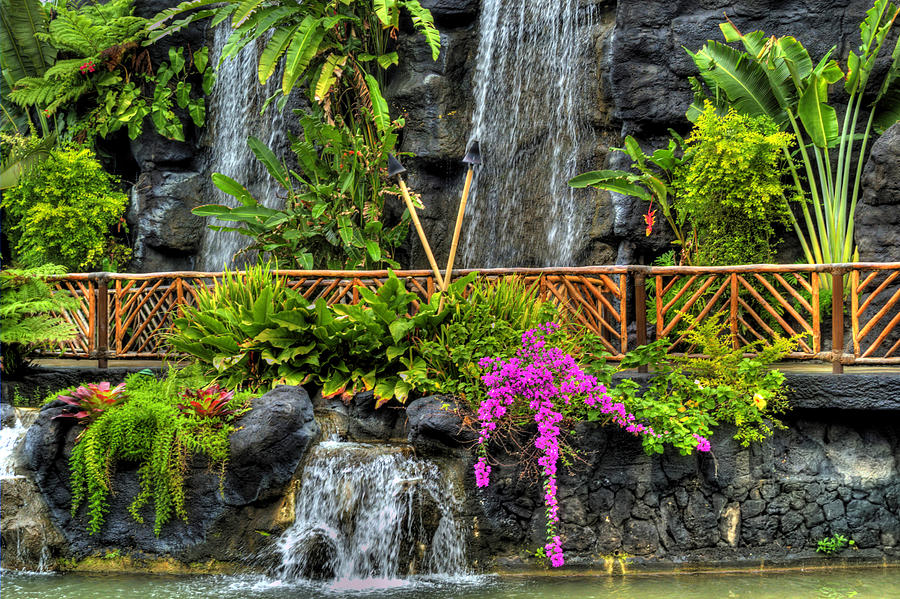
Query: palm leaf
{"x": 23, "y": 50}
{"x": 304, "y": 45}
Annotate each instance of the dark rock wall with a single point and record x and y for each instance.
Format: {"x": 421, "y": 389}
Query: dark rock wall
{"x": 831, "y": 472}
{"x": 642, "y": 73}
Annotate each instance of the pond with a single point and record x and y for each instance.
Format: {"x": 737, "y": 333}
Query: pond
{"x": 870, "y": 583}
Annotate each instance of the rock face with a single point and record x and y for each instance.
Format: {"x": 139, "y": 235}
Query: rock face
{"x": 435, "y": 426}
{"x": 878, "y": 211}
{"x": 221, "y": 525}
{"x": 829, "y": 473}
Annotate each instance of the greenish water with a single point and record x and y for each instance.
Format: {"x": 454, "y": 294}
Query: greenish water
{"x": 880, "y": 583}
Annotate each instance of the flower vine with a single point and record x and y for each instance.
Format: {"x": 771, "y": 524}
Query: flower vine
{"x": 546, "y": 378}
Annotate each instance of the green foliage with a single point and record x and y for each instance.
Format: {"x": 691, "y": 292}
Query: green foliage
{"x": 653, "y": 184}
{"x": 729, "y": 187}
{"x": 331, "y": 46}
{"x": 63, "y": 210}
{"x": 776, "y": 78}
{"x": 690, "y": 395}
{"x": 334, "y": 207}
{"x": 835, "y": 544}
{"x": 487, "y": 319}
{"x": 150, "y": 430}
{"x": 29, "y": 314}
{"x": 250, "y": 330}
{"x": 100, "y": 79}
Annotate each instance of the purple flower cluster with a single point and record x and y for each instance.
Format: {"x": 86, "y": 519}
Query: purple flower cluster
{"x": 543, "y": 377}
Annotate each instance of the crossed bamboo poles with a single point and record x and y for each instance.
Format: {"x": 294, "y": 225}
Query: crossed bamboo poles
{"x": 395, "y": 169}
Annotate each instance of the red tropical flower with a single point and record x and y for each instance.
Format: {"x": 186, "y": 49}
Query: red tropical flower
{"x": 650, "y": 219}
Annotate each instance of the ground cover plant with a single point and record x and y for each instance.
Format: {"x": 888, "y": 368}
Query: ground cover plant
{"x": 29, "y": 314}
{"x": 157, "y": 424}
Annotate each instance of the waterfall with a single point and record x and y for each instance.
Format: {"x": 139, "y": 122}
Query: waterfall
{"x": 533, "y": 101}
{"x": 367, "y": 512}
{"x": 9, "y": 440}
{"x": 234, "y": 107}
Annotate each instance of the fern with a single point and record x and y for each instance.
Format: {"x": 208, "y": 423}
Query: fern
{"x": 29, "y": 313}
{"x": 424, "y": 24}
{"x": 149, "y": 429}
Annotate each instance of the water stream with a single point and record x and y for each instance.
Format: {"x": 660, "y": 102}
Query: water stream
{"x": 10, "y": 436}
{"x": 533, "y": 98}
{"x": 369, "y": 515}
{"x": 234, "y": 106}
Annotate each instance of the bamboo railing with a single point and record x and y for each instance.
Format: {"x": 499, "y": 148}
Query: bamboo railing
{"x": 126, "y": 315}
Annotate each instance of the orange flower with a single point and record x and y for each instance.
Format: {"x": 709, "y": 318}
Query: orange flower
{"x": 650, "y": 219}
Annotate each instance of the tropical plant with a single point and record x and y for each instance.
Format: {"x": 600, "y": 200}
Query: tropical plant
{"x": 209, "y": 402}
{"x": 30, "y": 314}
{"x": 91, "y": 401}
{"x": 331, "y": 46}
{"x": 334, "y": 206}
{"x": 652, "y": 183}
{"x": 100, "y": 80}
{"x": 729, "y": 187}
{"x": 149, "y": 429}
{"x": 63, "y": 211}
{"x": 776, "y": 77}
{"x": 834, "y": 544}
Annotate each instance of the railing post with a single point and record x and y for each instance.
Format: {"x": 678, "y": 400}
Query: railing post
{"x": 837, "y": 321}
{"x": 102, "y": 319}
{"x": 640, "y": 312}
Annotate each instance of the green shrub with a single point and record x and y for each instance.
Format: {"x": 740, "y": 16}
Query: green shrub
{"x": 149, "y": 429}
{"x": 729, "y": 187}
{"x": 29, "y": 314}
{"x": 690, "y": 395}
{"x": 63, "y": 211}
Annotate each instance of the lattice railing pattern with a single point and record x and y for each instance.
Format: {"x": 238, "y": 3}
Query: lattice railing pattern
{"x": 757, "y": 302}
{"x": 875, "y": 314}
{"x": 754, "y": 306}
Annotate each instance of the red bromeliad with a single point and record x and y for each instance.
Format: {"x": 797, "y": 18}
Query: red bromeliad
{"x": 211, "y": 402}
{"x": 92, "y": 400}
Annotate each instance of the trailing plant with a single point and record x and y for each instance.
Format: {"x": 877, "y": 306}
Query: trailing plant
{"x": 30, "y": 314}
{"x": 150, "y": 430}
{"x": 776, "y": 77}
{"x": 729, "y": 187}
{"x": 92, "y": 401}
{"x": 63, "y": 211}
{"x": 334, "y": 209}
{"x": 553, "y": 387}
{"x": 100, "y": 79}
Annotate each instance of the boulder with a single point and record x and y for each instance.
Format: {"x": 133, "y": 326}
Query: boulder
{"x": 222, "y": 516}
{"x": 435, "y": 425}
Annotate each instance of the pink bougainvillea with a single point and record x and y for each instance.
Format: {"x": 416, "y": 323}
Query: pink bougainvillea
{"x": 546, "y": 378}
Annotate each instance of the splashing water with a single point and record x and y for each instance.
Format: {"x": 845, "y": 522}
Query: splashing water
{"x": 369, "y": 514}
{"x": 532, "y": 109}
{"x": 234, "y": 107}
{"x": 9, "y": 439}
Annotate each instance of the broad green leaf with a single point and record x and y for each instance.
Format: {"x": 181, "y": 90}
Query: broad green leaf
{"x": 374, "y": 250}
{"x": 211, "y": 210}
{"x": 329, "y": 73}
{"x": 304, "y": 45}
{"x": 386, "y": 60}
{"x": 268, "y": 60}
{"x": 269, "y": 160}
{"x": 819, "y": 119}
{"x": 379, "y": 104}
{"x": 233, "y": 188}
{"x": 201, "y": 59}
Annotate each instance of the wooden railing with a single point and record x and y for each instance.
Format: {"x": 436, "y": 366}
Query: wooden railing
{"x": 126, "y": 315}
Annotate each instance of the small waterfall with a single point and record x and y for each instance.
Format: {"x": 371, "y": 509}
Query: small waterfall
{"x": 234, "y": 107}
{"x": 367, "y": 512}
{"x": 533, "y": 101}
{"x": 9, "y": 440}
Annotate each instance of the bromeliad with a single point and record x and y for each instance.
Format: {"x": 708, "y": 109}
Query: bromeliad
{"x": 211, "y": 402}
{"x": 93, "y": 400}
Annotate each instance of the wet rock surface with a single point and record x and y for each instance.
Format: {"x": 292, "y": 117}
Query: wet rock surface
{"x": 222, "y": 520}
{"x": 41, "y": 381}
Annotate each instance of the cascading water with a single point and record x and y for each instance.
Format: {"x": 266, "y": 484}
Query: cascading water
{"x": 9, "y": 440}
{"x": 234, "y": 108}
{"x": 533, "y": 100}
{"x": 367, "y": 512}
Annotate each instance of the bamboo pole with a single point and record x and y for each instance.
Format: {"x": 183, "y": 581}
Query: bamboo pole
{"x": 421, "y": 232}
{"x": 458, "y": 228}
